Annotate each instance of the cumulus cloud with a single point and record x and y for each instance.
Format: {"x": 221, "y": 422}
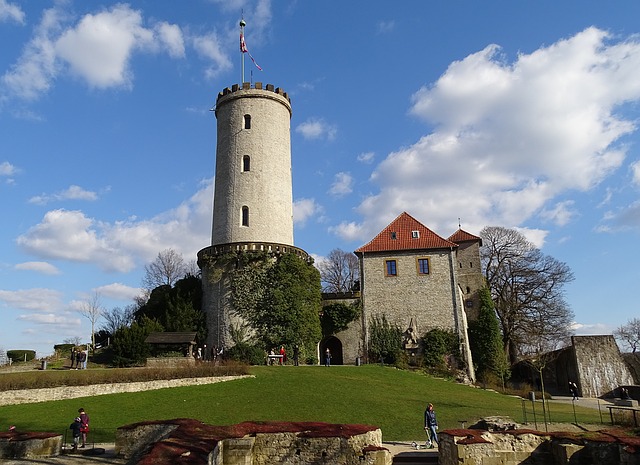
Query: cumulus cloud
{"x": 209, "y": 47}
{"x": 303, "y": 209}
{"x": 71, "y": 193}
{"x": 120, "y": 246}
{"x": 342, "y": 185}
{"x": 510, "y": 137}
{"x": 119, "y": 291}
{"x": 39, "y": 267}
{"x": 317, "y": 128}
{"x": 11, "y": 12}
{"x": 98, "y": 49}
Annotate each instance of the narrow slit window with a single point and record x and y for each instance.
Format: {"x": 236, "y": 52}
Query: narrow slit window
{"x": 392, "y": 269}
{"x": 247, "y": 121}
{"x": 245, "y": 216}
{"x": 246, "y": 163}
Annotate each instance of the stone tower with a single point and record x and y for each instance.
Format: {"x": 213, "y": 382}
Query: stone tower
{"x": 253, "y": 200}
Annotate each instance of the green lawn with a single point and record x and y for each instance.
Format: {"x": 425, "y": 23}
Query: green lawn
{"x": 386, "y": 397}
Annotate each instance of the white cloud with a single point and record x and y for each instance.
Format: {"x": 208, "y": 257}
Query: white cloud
{"x": 366, "y": 157}
{"x": 7, "y": 169}
{"x": 39, "y": 267}
{"x": 209, "y": 47}
{"x": 53, "y": 319}
{"x": 509, "y": 138}
{"x": 596, "y": 329}
{"x": 71, "y": 193}
{"x": 38, "y": 299}
{"x": 385, "y": 27}
{"x": 342, "y": 185}
{"x": 120, "y": 246}
{"x": 11, "y": 11}
{"x": 561, "y": 213}
{"x": 304, "y": 209}
{"x": 170, "y": 35}
{"x": 98, "y": 49}
{"x": 119, "y": 291}
{"x": 635, "y": 173}
{"x": 316, "y": 128}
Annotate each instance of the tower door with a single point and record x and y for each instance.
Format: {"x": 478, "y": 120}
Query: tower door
{"x": 335, "y": 347}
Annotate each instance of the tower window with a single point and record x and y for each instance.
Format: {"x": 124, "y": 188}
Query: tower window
{"x": 423, "y": 266}
{"x": 247, "y": 121}
{"x": 246, "y": 163}
{"x": 245, "y": 216}
{"x": 392, "y": 269}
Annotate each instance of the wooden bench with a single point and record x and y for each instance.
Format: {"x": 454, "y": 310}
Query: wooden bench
{"x": 635, "y": 410}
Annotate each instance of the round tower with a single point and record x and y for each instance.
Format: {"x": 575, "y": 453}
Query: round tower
{"x": 253, "y": 194}
{"x": 253, "y": 200}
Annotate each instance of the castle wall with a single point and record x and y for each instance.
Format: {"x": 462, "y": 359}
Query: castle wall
{"x": 352, "y": 338}
{"x": 600, "y": 365}
{"x": 470, "y": 278}
{"x": 429, "y": 299}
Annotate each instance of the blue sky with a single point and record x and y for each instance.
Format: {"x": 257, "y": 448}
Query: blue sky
{"x": 502, "y": 113}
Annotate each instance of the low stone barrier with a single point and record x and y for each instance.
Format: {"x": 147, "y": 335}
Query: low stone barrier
{"x": 474, "y": 447}
{"x": 28, "y": 396}
{"x": 21, "y": 445}
{"x": 167, "y": 442}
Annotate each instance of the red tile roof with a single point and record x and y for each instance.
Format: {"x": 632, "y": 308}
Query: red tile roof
{"x": 403, "y": 227}
{"x": 463, "y": 236}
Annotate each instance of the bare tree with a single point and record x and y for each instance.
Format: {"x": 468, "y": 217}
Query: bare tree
{"x": 117, "y": 318}
{"x": 92, "y": 310}
{"x": 629, "y": 334}
{"x": 166, "y": 269}
{"x": 339, "y": 272}
{"x": 527, "y": 288}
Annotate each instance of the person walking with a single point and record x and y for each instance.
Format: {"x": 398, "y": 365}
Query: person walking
{"x": 327, "y": 357}
{"x": 430, "y": 426}
{"x": 84, "y": 426}
{"x": 573, "y": 387}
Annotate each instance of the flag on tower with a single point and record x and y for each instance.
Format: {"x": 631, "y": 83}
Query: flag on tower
{"x": 243, "y": 49}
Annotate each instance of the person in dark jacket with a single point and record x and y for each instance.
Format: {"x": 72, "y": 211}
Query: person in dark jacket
{"x": 430, "y": 426}
{"x": 75, "y": 432}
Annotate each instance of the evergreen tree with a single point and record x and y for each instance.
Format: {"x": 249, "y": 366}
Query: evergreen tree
{"x": 385, "y": 341}
{"x": 485, "y": 340}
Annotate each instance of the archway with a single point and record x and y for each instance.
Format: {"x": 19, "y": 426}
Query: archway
{"x": 335, "y": 347}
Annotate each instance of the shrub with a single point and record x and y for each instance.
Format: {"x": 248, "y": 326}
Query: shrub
{"x": 441, "y": 352}
{"x": 21, "y": 355}
{"x": 385, "y": 341}
{"x": 246, "y": 353}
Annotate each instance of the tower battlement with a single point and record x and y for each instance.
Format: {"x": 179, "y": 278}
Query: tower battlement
{"x": 257, "y": 86}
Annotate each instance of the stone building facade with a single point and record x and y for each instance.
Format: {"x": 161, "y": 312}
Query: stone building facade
{"x": 419, "y": 281}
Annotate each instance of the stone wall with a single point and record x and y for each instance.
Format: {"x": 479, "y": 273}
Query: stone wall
{"x": 476, "y": 447}
{"x": 21, "y": 445}
{"x": 28, "y": 396}
{"x": 601, "y": 368}
{"x": 258, "y": 443}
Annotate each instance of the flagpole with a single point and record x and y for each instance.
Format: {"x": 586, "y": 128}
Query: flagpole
{"x": 242, "y": 25}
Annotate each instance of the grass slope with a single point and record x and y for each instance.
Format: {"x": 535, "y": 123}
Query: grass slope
{"x": 392, "y": 399}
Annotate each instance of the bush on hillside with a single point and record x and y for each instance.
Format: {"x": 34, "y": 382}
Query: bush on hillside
{"x": 21, "y": 355}
{"x": 246, "y": 353}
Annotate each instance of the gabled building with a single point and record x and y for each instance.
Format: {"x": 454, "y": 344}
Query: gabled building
{"x": 419, "y": 281}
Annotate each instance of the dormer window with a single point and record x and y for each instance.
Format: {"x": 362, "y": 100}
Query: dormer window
{"x": 394, "y": 236}
{"x": 415, "y": 234}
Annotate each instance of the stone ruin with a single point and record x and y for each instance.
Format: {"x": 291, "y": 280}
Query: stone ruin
{"x": 499, "y": 441}
{"x": 29, "y": 445}
{"x": 187, "y": 441}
